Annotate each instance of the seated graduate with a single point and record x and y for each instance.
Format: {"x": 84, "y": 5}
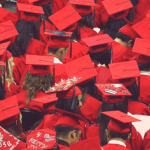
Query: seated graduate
{"x": 118, "y": 130}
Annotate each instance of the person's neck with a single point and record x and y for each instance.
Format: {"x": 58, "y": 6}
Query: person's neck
{"x": 118, "y": 139}
{"x": 64, "y": 139}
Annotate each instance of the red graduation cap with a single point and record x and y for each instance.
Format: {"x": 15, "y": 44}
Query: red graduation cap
{"x": 57, "y": 39}
{"x": 125, "y": 72}
{"x": 69, "y": 119}
{"x": 39, "y": 65}
{"x": 142, "y": 47}
{"x": 98, "y": 43}
{"x": 7, "y": 31}
{"x": 29, "y": 12}
{"x": 88, "y": 144}
{"x": 46, "y": 138}
{"x": 113, "y": 93}
{"x": 82, "y": 2}
{"x": 120, "y": 122}
{"x": 9, "y": 111}
{"x": 81, "y": 67}
{"x": 127, "y": 30}
{"x": 117, "y": 9}
{"x": 3, "y": 47}
{"x": 65, "y": 18}
{"x": 142, "y": 28}
{"x": 8, "y": 141}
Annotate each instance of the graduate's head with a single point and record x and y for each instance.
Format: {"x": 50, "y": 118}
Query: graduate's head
{"x": 68, "y": 127}
{"x": 120, "y": 125}
{"x": 67, "y": 133}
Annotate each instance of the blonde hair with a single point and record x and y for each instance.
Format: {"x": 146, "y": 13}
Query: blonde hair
{"x": 8, "y": 77}
{"x": 34, "y": 83}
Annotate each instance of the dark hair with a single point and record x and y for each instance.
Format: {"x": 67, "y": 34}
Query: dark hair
{"x": 118, "y": 135}
{"x": 26, "y": 30}
{"x": 134, "y": 2}
{"x": 86, "y": 21}
{"x": 125, "y": 38}
{"x": 103, "y": 120}
{"x": 134, "y": 90}
{"x": 2, "y": 90}
{"x": 101, "y": 57}
{"x": 144, "y": 66}
{"x": 63, "y": 131}
{"x": 65, "y": 104}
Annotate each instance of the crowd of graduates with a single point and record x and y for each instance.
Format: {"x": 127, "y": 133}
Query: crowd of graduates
{"x": 75, "y": 75}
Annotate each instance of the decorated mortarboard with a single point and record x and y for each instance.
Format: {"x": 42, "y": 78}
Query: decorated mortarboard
{"x": 64, "y": 85}
{"x": 142, "y": 28}
{"x": 98, "y": 43}
{"x": 7, "y": 31}
{"x": 46, "y": 138}
{"x": 28, "y": 12}
{"x": 117, "y": 9}
{"x": 120, "y": 122}
{"x": 58, "y": 33}
{"x": 142, "y": 47}
{"x": 82, "y": 2}
{"x": 113, "y": 93}
{"x": 88, "y": 144}
{"x": 65, "y": 17}
{"x": 124, "y": 70}
{"x": 81, "y": 67}
{"x": 8, "y": 141}
{"x": 69, "y": 119}
{"x": 9, "y": 111}
{"x": 127, "y": 30}
{"x": 39, "y": 65}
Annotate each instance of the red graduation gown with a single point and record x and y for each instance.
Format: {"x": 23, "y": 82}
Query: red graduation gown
{"x": 20, "y": 146}
{"x": 146, "y": 141}
{"x": 114, "y": 147}
{"x": 63, "y": 147}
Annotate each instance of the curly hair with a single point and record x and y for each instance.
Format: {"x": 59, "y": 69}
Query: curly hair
{"x": 34, "y": 83}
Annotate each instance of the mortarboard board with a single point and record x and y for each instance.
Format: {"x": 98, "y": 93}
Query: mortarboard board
{"x": 113, "y": 93}
{"x": 88, "y": 144}
{"x": 82, "y": 2}
{"x": 39, "y": 65}
{"x": 9, "y": 111}
{"x": 47, "y": 101}
{"x": 98, "y": 43}
{"x": 29, "y": 12}
{"x": 65, "y": 17}
{"x": 3, "y": 47}
{"x": 45, "y": 137}
{"x": 69, "y": 119}
{"x": 142, "y": 48}
{"x": 125, "y": 72}
{"x": 127, "y": 30}
{"x": 142, "y": 28}
{"x": 58, "y": 39}
{"x": 117, "y": 9}
{"x": 8, "y": 141}
{"x": 7, "y": 31}
{"x": 81, "y": 67}
{"x": 120, "y": 122}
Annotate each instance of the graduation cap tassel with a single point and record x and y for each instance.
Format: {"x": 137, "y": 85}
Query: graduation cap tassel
{"x": 74, "y": 100}
{"x": 54, "y": 74}
{"x": 44, "y": 24}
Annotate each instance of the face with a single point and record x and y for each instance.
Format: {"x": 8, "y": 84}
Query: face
{"x": 61, "y": 53}
{"x": 11, "y": 63}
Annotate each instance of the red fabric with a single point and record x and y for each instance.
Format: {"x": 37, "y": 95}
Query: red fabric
{"x": 8, "y": 15}
{"x": 63, "y": 147}
{"x": 136, "y": 141}
{"x": 114, "y": 147}
{"x": 18, "y": 69}
{"x": 49, "y": 121}
{"x": 138, "y": 108}
{"x": 48, "y": 26}
{"x": 86, "y": 32}
{"x": 144, "y": 89}
{"x": 22, "y": 97}
{"x": 12, "y": 90}
{"x": 20, "y": 146}
{"x": 146, "y": 141}
{"x": 90, "y": 108}
{"x": 121, "y": 53}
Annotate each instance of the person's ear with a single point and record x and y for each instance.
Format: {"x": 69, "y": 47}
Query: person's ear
{"x": 129, "y": 43}
{"x": 129, "y": 136}
{"x": 73, "y": 134}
